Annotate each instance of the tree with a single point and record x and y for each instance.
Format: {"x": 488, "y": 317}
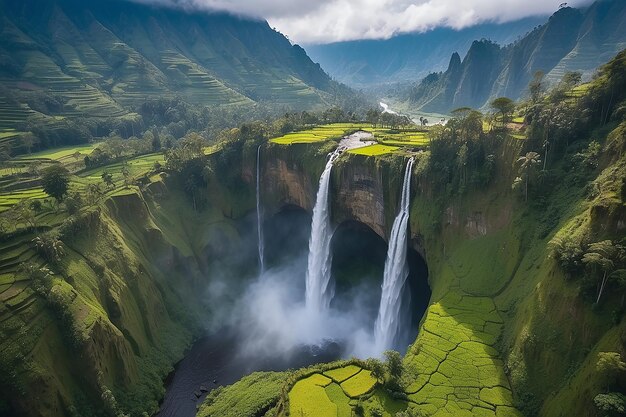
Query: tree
{"x": 536, "y": 87}
{"x": 23, "y": 213}
{"x": 359, "y": 410}
{"x": 372, "y": 117}
{"x": 73, "y": 203}
{"x": 505, "y": 107}
{"x": 376, "y": 411}
{"x": 156, "y": 141}
{"x": 49, "y": 246}
{"x": 393, "y": 364}
{"x": 612, "y": 404}
{"x": 602, "y": 257}
{"x": 568, "y": 252}
{"x": 610, "y": 366}
{"x": 93, "y": 193}
{"x": 55, "y": 181}
{"x": 115, "y": 146}
{"x": 28, "y": 140}
{"x": 126, "y": 175}
{"x": 571, "y": 79}
{"x": 528, "y": 163}
{"x": 107, "y": 178}
{"x": 376, "y": 367}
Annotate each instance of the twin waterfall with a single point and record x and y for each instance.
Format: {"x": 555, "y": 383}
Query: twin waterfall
{"x": 318, "y": 289}
{"x": 259, "y": 213}
{"x": 388, "y": 324}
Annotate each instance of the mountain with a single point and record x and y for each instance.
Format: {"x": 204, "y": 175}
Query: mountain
{"x": 105, "y": 58}
{"x": 411, "y": 56}
{"x": 571, "y": 40}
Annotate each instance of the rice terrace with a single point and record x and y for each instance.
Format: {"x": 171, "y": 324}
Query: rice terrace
{"x": 323, "y": 209}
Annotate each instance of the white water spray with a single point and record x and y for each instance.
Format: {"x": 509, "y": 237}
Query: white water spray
{"x": 388, "y": 322}
{"x": 318, "y": 289}
{"x": 259, "y": 213}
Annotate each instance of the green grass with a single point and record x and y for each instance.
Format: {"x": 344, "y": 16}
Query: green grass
{"x": 339, "y": 398}
{"x": 374, "y": 150}
{"x": 454, "y": 365}
{"x": 308, "y": 398}
{"x": 137, "y": 166}
{"x": 383, "y": 400}
{"x": 388, "y": 140}
{"x": 402, "y": 138}
{"x": 58, "y": 154}
{"x": 358, "y": 385}
{"x": 343, "y": 373}
{"x": 317, "y": 134}
{"x": 250, "y": 396}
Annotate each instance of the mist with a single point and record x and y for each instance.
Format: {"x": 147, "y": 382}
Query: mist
{"x": 271, "y": 319}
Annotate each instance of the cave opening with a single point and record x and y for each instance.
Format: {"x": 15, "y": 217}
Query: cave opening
{"x": 359, "y": 256}
{"x": 358, "y": 262}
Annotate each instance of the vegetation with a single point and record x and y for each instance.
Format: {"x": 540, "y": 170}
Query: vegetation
{"x": 109, "y": 274}
{"x": 253, "y": 395}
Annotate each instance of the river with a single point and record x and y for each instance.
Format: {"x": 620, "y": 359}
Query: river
{"x": 214, "y": 360}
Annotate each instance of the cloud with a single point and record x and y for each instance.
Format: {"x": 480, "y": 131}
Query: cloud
{"x": 323, "y": 21}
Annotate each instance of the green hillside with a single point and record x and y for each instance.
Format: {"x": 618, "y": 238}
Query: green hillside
{"x": 98, "y": 62}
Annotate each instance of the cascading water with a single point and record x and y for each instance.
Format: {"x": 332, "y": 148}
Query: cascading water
{"x": 318, "y": 290}
{"x": 388, "y": 323}
{"x": 259, "y": 213}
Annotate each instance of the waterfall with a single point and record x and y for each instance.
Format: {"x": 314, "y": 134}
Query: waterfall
{"x": 259, "y": 213}
{"x": 388, "y": 323}
{"x": 318, "y": 291}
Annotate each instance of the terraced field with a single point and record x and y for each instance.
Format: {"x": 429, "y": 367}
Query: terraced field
{"x": 196, "y": 83}
{"x": 137, "y": 167}
{"x": 14, "y": 186}
{"x": 402, "y": 138}
{"x": 374, "y": 150}
{"x": 331, "y": 393}
{"x": 319, "y": 133}
{"x": 11, "y": 117}
{"x": 455, "y": 367}
{"x": 388, "y": 141}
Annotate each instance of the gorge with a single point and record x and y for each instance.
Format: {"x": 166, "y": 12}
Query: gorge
{"x": 197, "y": 221}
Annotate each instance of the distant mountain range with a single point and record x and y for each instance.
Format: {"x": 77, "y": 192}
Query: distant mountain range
{"x": 100, "y": 58}
{"x": 571, "y": 40}
{"x": 409, "y": 57}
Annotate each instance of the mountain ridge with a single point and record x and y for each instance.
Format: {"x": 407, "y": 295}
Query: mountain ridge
{"x": 571, "y": 40}
{"x": 105, "y": 58}
{"x": 408, "y": 57}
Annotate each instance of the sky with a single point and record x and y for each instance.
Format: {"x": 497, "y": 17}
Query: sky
{"x": 325, "y": 21}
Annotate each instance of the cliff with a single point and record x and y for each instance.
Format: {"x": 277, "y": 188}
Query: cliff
{"x": 529, "y": 337}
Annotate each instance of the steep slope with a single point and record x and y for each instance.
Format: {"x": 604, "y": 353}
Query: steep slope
{"x": 408, "y": 57}
{"x": 571, "y": 40}
{"x": 104, "y": 58}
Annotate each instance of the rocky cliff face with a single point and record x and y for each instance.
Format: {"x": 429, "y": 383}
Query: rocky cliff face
{"x": 359, "y": 191}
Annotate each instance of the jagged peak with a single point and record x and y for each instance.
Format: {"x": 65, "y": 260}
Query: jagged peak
{"x": 455, "y": 62}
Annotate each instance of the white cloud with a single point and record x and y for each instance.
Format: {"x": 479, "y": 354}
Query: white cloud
{"x": 322, "y": 21}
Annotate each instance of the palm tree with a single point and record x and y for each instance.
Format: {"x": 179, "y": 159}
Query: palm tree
{"x": 601, "y": 256}
{"x": 528, "y": 162}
